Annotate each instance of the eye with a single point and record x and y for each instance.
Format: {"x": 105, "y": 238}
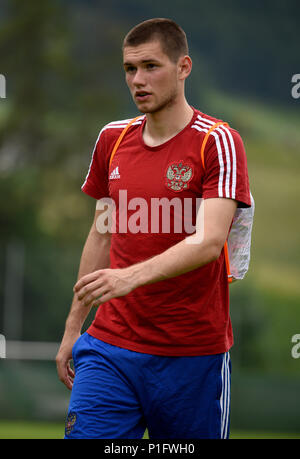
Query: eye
{"x": 151, "y": 66}
{"x": 130, "y": 69}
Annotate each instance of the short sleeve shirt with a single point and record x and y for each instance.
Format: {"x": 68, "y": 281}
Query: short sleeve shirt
{"x": 156, "y": 193}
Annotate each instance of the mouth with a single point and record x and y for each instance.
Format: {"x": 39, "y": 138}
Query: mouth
{"x": 142, "y": 95}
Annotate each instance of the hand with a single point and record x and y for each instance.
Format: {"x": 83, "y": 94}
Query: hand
{"x": 63, "y": 362}
{"x": 103, "y": 285}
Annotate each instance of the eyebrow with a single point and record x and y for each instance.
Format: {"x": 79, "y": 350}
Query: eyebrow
{"x": 144, "y": 61}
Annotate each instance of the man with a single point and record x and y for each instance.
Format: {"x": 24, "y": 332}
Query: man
{"x": 157, "y": 354}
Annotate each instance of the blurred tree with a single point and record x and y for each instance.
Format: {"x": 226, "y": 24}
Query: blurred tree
{"x": 33, "y": 48}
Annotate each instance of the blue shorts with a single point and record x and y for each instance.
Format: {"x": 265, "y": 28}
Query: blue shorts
{"x": 119, "y": 393}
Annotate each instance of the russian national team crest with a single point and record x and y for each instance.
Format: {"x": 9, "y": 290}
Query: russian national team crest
{"x": 178, "y": 176}
{"x": 71, "y": 419}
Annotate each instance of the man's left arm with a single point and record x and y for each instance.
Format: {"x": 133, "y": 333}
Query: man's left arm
{"x": 187, "y": 255}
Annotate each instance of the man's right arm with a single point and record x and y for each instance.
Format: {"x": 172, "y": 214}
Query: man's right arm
{"x": 95, "y": 255}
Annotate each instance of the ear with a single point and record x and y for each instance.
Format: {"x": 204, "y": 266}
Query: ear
{"x": 184, "y": 67}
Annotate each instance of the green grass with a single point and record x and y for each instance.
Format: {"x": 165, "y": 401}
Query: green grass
{"x": 48, "y": 430}
{"x": 30, "y": 430}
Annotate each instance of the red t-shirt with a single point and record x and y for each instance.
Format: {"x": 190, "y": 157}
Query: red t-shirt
{"x": 187, "y": 314}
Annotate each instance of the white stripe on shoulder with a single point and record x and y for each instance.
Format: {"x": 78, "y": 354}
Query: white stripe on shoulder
{"x": 219, "y": 150}
{"x": 233, "y": 152}
{"x": 93, "y": 154}
{"x": 123, "y": 123}
{"x": 207, "y": 121}
{"x": 228, "y": 162}
{"x": 119, "y": 122}
{"x": 203, "y": 124}
{"x": 113, "y": 125}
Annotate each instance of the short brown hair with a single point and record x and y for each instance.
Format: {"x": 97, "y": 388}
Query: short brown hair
{"x": 171, "y": 36}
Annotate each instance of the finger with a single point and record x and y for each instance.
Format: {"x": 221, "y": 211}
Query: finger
{"x": 64, "y": 377}
{"x": 69, "y": 377}
{"x": 106, "y": 297}
{"x": 71, "y": 372}
{"x": 86, "y": 280}
{"x": 89, "y": 288}
{"x": 68, "y": 383}
{"x": 95, "y": 297}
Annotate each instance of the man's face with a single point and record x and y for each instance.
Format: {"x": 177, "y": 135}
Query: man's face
{"x": 151, "y": 76}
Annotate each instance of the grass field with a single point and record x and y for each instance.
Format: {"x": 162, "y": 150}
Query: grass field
{"x": 41, "y": 430}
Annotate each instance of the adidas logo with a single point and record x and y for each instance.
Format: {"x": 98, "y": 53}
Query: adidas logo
{"x": 115, "y": 174}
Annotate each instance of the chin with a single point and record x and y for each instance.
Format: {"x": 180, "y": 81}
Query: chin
{"x": 144, "y": 109}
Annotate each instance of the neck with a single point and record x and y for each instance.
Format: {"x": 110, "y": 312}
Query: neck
{"x": 161, "y": 126}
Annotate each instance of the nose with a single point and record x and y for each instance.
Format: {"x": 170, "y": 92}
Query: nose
{"x": 139, "y": 78}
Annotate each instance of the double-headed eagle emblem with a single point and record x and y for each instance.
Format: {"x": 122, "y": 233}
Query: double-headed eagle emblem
{"x": 178, "y": 176}
{"x": 71, "y": 419}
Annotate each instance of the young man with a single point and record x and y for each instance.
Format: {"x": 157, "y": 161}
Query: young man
{"x": 156, "y": 355}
